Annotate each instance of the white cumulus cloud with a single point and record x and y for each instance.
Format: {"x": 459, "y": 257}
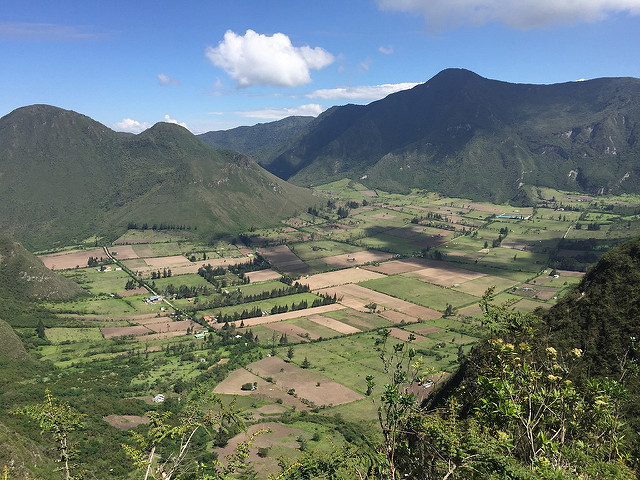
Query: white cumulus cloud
{"x": 131, "y": 126}
{"x": 363, "y": 92}
{"x": 165, "y": 80}
{"x": 279, "y": 113}
{"x": 256, "y": 59}
{"x": 522, "y": 14}
{"x": 168, "y": 119}
{"x": 386, "y": 50}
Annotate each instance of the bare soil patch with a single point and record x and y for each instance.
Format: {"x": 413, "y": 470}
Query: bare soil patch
{"x": 170, "y": 326}
{"x": 428, "y": 330}
{"x": 234, "y": 381}
{"x": 446, "y": 277}
{"x": 125, "y": 422}
{"x": 404, "y": 265}
{"x": 135, "y": 291}
{"x": 113, "y": 332}
{"x": 470, "y": 310}
{"x": 334, "y": 324}
{"x": 262, "y": 275}
{"x": 356, "y": 258}
{"x": 266, "y": 390}
{"x": 294, "y": 332}
{"x": 484, "y": 208}
{"x": 404, "y": 335}
{"x": 167, "y": 262}
{"x": 398, "y": 317}
{"x": 123, "y": 252}
{"x": 339, "y": 277}
{"x": 569, "y": 273}
{"x": 284, "y": 259}
{"x": 356, "y": 297}
{"x": 277, "y": 435}
{"x": 540, "y": 292}
{"x": 368, "y": 193}
{"x": 70, "y": 259}
{"x": 305, "y": 382}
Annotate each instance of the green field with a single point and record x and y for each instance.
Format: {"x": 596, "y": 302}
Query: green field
{"x": 419, "y": 292}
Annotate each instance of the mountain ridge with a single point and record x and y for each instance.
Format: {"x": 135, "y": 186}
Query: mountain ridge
{"x": 464, "y": 135}
{"x": 67, "y": 177}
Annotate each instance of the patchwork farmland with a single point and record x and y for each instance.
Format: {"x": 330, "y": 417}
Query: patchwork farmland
{"x": 285, "y": 320}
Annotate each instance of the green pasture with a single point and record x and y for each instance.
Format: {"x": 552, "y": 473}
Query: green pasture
{"x": 313, "y": 328}
{"x": 321, "y": 248}
{"x": 189, "y": 279}
{"x": 356, "y": 319}
{"x": 419, "y": 292}
{"x": 154, "y": 236}
{"x": 96, "y": 282}
{"x": 134, "y": 264}
{"x": 101, "y": 305}
{"x": 58, "y": 335}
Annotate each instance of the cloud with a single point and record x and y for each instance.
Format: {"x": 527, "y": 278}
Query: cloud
{"x": 521, "y": 14}
{"x": 386, "y": 50}
{"x": 371, "y": 92}
{"x": 168, "y": 119}
{"x": 131, "y": 126}
{"x": 166, "y": 80}
{"x": 279, "y": 113}
{"x": 256, "y": 59}
{"x": 365, "y": 65}
{"x": 45, "y": 32}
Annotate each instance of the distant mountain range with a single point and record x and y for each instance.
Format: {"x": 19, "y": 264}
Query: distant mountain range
{"x": 262, "y": 141}
{"x": 65, "y": 177}
{"x": 462, "y": 134}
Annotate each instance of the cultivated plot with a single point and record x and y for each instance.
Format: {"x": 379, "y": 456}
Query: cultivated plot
{"x": 70, "y": 259}
{"x": 357, "y": 297}
{"x": 284, "y": 259}
{"x": 339, "y": 277}
{"x": 309, "y": 385}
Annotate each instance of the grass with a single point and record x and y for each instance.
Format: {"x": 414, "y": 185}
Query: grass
{"x": 421, "y": 293}
{"x": 190, "y": 280}
{"x": 57, "y": 335}
{"x": 321, "y": 248}
{"x": 96, "y": 282}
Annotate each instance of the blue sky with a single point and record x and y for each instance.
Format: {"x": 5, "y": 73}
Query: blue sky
{"x": 217, "y": 64}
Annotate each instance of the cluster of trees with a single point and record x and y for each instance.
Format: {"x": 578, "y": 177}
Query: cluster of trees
{"x": 325, "y": 299}
{"x": 131, "y": 284}
{"x": 236, "y": 297}
{"x": 166, "y": 273}
{"x": 156, "y": 226}
{"x": 256, "y": 263}
{"x": 184, "y": 291}
{"x": 95, "y": 261}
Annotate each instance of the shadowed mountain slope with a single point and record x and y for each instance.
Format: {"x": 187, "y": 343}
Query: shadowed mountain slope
{"x": 66, "y": 177}
{"x": 462, "y": 134}
{"x": 261, "y": 141}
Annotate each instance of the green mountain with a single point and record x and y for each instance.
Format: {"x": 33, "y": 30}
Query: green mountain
{"x": 261, "y": 141}
{"x": 461, "y": 134}
{"x": 66, "y": 177}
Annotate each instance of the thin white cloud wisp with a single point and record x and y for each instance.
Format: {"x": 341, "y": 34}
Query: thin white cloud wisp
{"x": 311, "y": 109}
{"x": 520, "y": 14}
{"x": 363, "y": 92}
